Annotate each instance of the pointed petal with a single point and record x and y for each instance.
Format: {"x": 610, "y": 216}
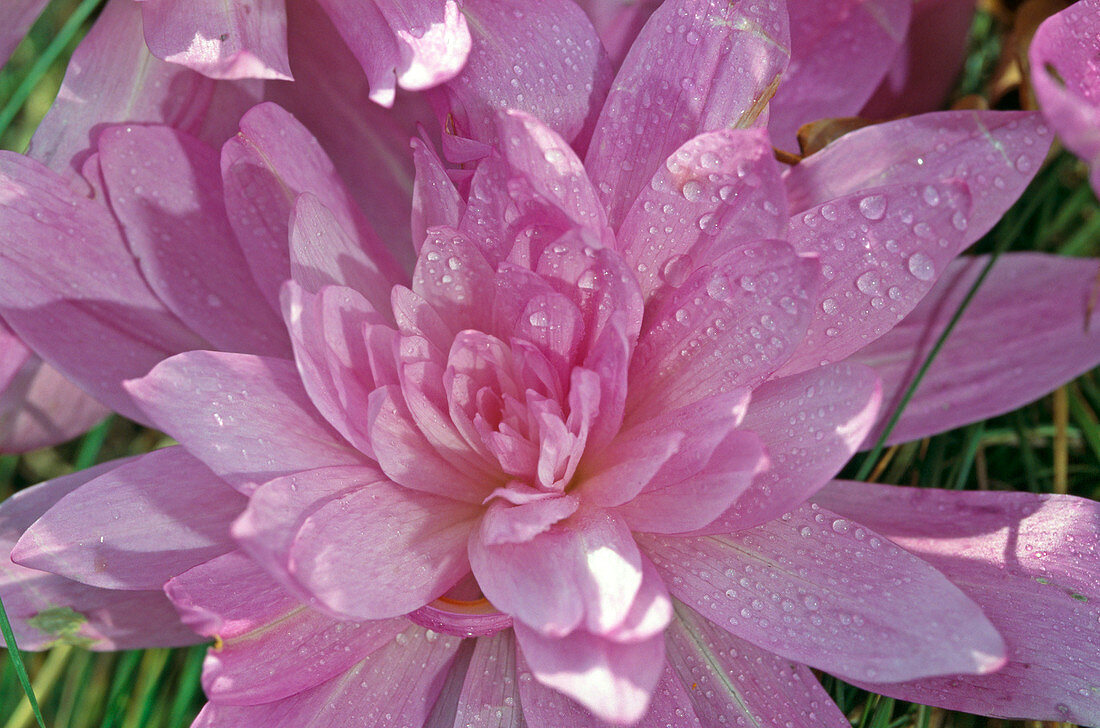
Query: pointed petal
{"x": 1026, "y": 331}
{"x": 840, "y": 51}
{"x": 832, "y": 408}
{"x": 165, "y": 188}
{"x": 612, "y": 679}
{"x": 717, "y": 190}
{"x": 270, "y": 645}
{"x": 394, "y": 687}
{"x": 404, "y": 547}
{"x": 267, "y": 426}
{"x": 732, "y": 53}
{"x": 219, "y": 39}
{"x": 265, "y": 167}
{"x": 113, "y": 79}
{"x": 618, "y": 22}
{"x": 46, "y": 609}
{"x": 70, "y": 288}
{"x": 436, "y": 202}
{"x": 561, "y": 76}
{"x": 726, "y": 677}
{"x": 490, "y": 693}
{"x": 751, "y": 305}
{"x": 1030, "y": 562}
{"x": 1063, "y": 71}
{"x": 999, "y": 150}
{"x": 880, "y": 264}
{"x": 38, "y": 406}
{"x": 135, "y": 527}
{"x": 583, "y": 571}
{"x": 789, "y": 587}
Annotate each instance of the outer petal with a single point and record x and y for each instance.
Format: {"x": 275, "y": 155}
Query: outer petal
{"x": 561, "y": 75}
{"x": 1026, "y": 331}
{"x": 1063, "y": 71}
{"x": 16, "y": 18}
{"x": 404, "y": 547}
{"x": 996, "y": 152}
{"x": 612, "y": 679}
{"x": 618, "y": 22}
{"x": 750, "y": 306}
{"x": 436, "y": 202}
{"x": 879, "y": 263}
{"x": 490, "y": 691}
{"x": 810, "y": 424}
{"x": 165, "y": 188}
{"x": 219, "y": 39}
{"x": 585, "y": 570}
{"x": 112, "y": 78}
{"x": 790, "y": 587}
{"x": 45, "y": 609}
{"x": 840, "y": 51}
{"x": 38, "y": 406}
{"x": 1030, "y": 562}
{"x": 136, "y": 526}
{"x": 928, "y": 66}
{"x": 70, "y": 288}
{"x": 733, "y": 53}
{"x": 717, "y": 190}
{"x": 269, "y": 645}
{"x": 265, "y": 167}
{"x": 726, "y": 677}
{"x": 394, "y": 687}
{"x": 267, "y": 426}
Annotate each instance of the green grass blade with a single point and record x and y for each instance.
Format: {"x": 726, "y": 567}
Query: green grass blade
{"x": 42, "y": 64}
{"x": 17, "y": 662}
{"x": 92, "y": 444}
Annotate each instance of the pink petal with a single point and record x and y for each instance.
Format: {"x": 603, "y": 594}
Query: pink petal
{"x": 832, "y": 408}
{"x": 219, "y": 39}
{"x": 490, "y": 691}
{"x": 407, "y": 457}
{"x": 840, "y": 51}
{"x": 927, "y": 69}
{"x": 45, "y": 609}
{"x": 881, "y": 264}
{"x": 718, "y": 189}
{"x": 544, "y": 706}
{"x": 16, "y": 18}
{"x": 404, "y": 547}
{"x": 506, "y": 523}
{"x": 1028, "y": 561}
{"x": 396, "y": 686}
{"x": 827, "y": 592}
{"x": 996, "y": 152}
{"x": 38, "y": 406}
{"x": 165, "y": 188}
{"x": 323, "y": 253}
{"x": 368, "y": 144}
{"x": 583, "y": 571}
{"x": 113, "y": 78}
{"x": 614, "y": 675}
{"x": 618, "y": 22}
{"x": 613, "y": 680}
{"x": 265, "y": 167}
{"x": 70, "y": 288}
{"x": 624, "y": 468}
{"x": 134, "y": 527}
{"x": 1063, "y": 71}
{"x": 436, "y": 202}
{"x": 334, "y": 334}
{"x": 753, "y": 303}
{"x": 561, "y": 76}
{"x": 450, "y": 271}
{"x": 267, "y": 425}
{"x": 726, "y": 677}
{"x": 270, "y": 646}
{"x": 733, "y": 54}
{"x": 1026, "y": 332}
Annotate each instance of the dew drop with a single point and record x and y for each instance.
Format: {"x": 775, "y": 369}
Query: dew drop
{"x": 873, "y": 207}
{"x": 869, "y": 283}
{"x": 692, "y": 190}
{"x": 921, "y": 266}
{"x": 675, "y": 270}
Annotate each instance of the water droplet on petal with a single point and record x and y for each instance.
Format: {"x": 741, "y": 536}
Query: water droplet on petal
{"x": 873, "y": 207}
{"x": 921, "y": 266}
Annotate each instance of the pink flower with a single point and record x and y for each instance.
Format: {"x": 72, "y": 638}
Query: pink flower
{"x": 588, "y": 429}
{"x": 1064, "y": 56}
